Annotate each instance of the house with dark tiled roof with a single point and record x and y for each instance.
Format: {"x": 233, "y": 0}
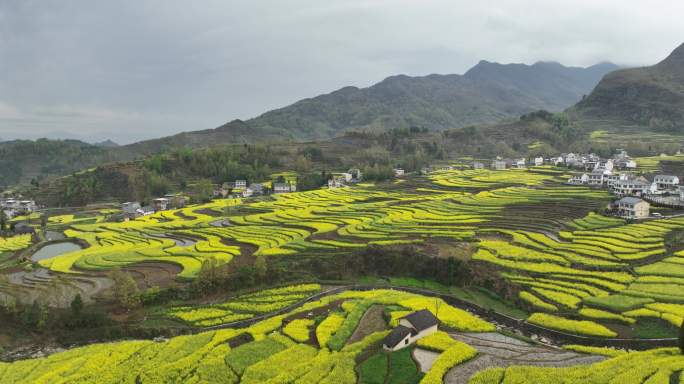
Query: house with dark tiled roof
{"x": 410, "y": 329}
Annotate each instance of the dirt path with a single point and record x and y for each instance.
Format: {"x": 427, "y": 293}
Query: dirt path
{"x": 424, "y": 358}
{"x": 497, "y": 350}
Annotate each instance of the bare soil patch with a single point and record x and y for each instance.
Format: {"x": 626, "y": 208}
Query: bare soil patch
{"x": 372, "y": 321}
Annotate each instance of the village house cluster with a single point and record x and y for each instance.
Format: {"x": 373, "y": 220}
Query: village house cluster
{"x": 16, "y": 207}
{"x": 343, "y": 179}
{"x": 242, "y": 189}
{"x": 133, "y": 209}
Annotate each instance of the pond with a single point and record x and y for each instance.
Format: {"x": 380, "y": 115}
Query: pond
{"x": 52, "y": 250}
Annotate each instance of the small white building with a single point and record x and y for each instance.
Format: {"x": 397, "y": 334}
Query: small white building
{"x": 240, "y": 184}
{"x": 604, "y": 166}
{"x": 666, "y": 182}
{"x": 335, "y": 183}
{"x": 498, "y": 165}
{"x": 597, "y": 178}
{"x": 160, "y": 204}
{"x": 247, "y": 192}
{"x": 346, "y": 176}
{"x": 130, "y": 207}
{"x": 538, "y": 161}
{"x": 478, "y": 165}
{"x": 632, "y": 208}
{"x": 557, "y": 160}
{"x": 284, "y": 188}
{"x": 637, "y": 187}
{"x": 398, "y": 172}
{"x": 519, "y": 163}
{"x": 410, "y": 329}
{"x": 579, "y": 179}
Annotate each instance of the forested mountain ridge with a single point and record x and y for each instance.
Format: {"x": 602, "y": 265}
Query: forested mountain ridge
{"x": 486, "y": 93}
{"x": 652, "y": 97}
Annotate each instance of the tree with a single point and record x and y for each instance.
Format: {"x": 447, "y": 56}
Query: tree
{"x": 32, "y": 314}
{"x": 3, "y": 221}
{"x": 43, "y": 316}
{"x": 125, "y": 290}
{"x": 204, "y": 190}
{"x": 681, "y": 338}
{"x": 261, "y": 266}
{"x": 76, "y": 306}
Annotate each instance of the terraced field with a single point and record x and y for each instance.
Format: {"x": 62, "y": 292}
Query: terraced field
{"x": 575, "y": 270}
{"x": 307, "y": 345}
{"x": 321, "y": 221}
{"x": 312, "y": 344}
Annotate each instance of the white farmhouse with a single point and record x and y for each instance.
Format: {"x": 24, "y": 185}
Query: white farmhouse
{"x": 284, "y": 188}
{"x": 666, "y": 182}
{"x": 398, "y": 172}
{"x": 130, "y": 207}
{"x": 636, "y": 187}
{"x": 632, "y": 208}
{"x": 346, "y": 176}
{"x": 579, "y": 179}
{"x": 519, "y": 163}
{"x": 498, "y": 165}
{"x": 411, "y": 328}
{"x": 240, "y": 184}
{"x": 538, "y": 161}
{"x": 597, "y": 177}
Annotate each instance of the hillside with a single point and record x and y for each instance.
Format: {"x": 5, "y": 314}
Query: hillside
{"x": 24, "y": 160}
{"x": 652, "y": 97}
{"x": 487, "y": 93}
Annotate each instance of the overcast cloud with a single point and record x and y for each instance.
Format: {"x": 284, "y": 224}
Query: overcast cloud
{"x": 136, "y": 69}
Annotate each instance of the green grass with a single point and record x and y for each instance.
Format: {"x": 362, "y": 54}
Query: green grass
{"x": 489, "y": 300}
{"x": 647, "y": 328}
{"x": 403, "y": 370}
{"x": 374, "y": 369}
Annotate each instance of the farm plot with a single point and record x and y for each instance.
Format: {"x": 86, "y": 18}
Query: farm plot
{"x": 320, "y": 221}
{"x": 279, "y": 352}
{"x": 593, "y": 282}
{"x": 243, "y": 307}
{"x": 15, "y": 243}
{"x": 654, "y": 366}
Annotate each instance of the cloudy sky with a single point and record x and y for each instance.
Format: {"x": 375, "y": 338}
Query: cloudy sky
{"x": 136, "y": 69}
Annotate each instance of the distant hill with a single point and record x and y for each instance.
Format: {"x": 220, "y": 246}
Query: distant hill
{"x": 23, "y": 160}
{"x": 106, "y": 144}
{"x": 650, "y": 96}
{"x": 487, "y": 93}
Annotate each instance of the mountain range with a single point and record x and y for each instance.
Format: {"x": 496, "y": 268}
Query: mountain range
{"x": 487, "y": 93}
{"x": 652, "y": 97}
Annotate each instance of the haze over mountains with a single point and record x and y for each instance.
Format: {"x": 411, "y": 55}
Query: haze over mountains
{"x": 649, "y": 96}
